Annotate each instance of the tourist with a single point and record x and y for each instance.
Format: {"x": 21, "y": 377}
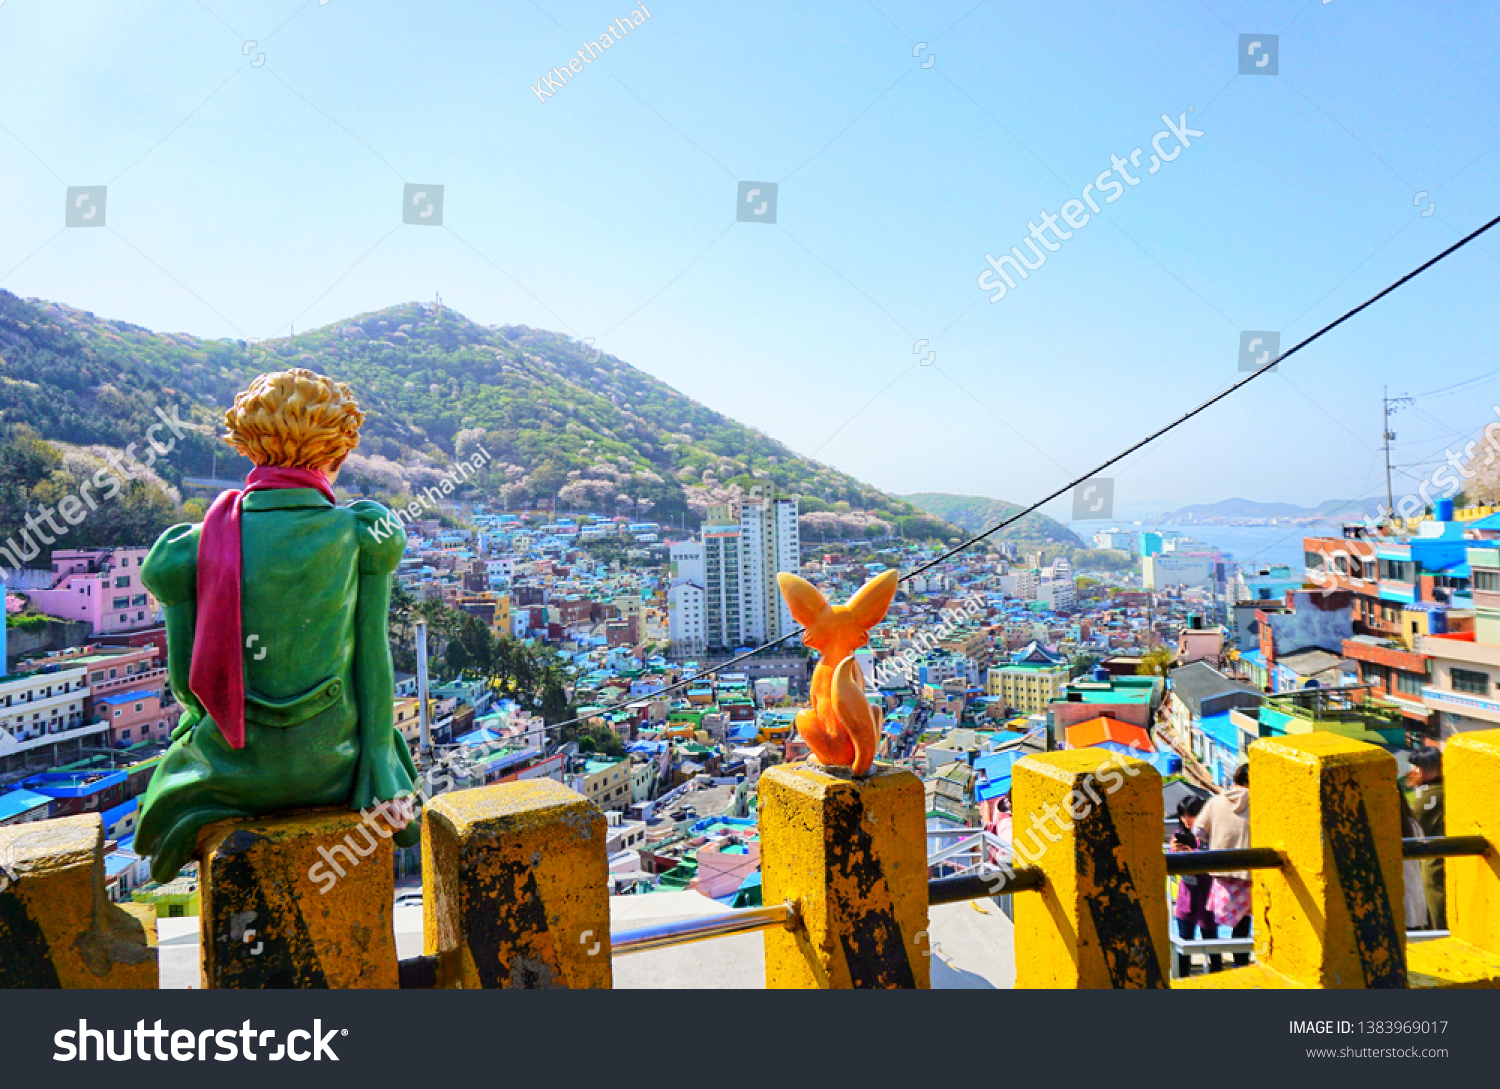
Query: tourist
{"x": 1224, "y": 825}
{"x": 1191, "y": 908}
{"x": 1411, "y": 870}
{"x": 1426, "y": 780}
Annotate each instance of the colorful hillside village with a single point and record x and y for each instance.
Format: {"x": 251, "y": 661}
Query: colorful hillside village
{"x": 1180, "y": 658}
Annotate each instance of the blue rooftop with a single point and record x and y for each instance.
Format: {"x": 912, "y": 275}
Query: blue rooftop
{"x": 16, "y": 802}
{"x": 127, "y": 697}
{"x": 509, "y": 759}
{"x": 994, "y": 774}
{"x": 479, "y": 737}
{"x": 1166, "y": 763}
{"x": 74, "y": 784}
{"x": 1221, "y": 730}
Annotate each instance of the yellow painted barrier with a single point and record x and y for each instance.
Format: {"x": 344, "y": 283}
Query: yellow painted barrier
{"x": 1470, "y": 956}
{"x": 57, "y": 928}
{"x": 1092, "y": 822}
{"x": 1333, "y": 915}
{"x": 515, "y": 887}
{"x": 852, "y": 854}
{"x": 302, "y": 900}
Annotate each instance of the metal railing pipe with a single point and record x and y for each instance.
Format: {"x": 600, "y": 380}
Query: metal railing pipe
{"x": 1444, "y": 847}
{"x": 976, "y": 886}
{"x": 956, "y": 890}
{"x": 682, "y": 931}
{"x": 1238, "y": 858}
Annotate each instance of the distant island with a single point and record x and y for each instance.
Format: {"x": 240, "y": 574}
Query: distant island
{"x": 1249, "y": 510}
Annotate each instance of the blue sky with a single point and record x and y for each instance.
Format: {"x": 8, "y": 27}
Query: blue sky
{"x": 244, "y": 197}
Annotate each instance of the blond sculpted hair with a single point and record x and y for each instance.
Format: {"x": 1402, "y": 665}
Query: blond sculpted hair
{"x": 294, "y": 418}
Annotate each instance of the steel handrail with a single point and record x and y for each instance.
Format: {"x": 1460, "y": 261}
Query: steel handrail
{"x": 1182, "y": 863}
{"x": 682, "y": 931}
{"x": 1000, "y": 882}
{"x": 976, "y": 886}
{"x": 1444, "y": 847}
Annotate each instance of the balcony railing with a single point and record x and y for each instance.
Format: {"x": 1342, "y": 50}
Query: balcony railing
{"x": 1460, "y": 699}
{"x": 27, "y": 740}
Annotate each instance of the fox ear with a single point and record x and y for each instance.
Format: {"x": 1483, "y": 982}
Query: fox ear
{"x": 807, "y": 605}
{"x": 874, "y": 598}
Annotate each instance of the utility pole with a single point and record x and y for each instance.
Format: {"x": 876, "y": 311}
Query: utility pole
{"x": 1387, "y": 434}
{"x": 425, "y": 745}
{"x": 1389, "y": 405}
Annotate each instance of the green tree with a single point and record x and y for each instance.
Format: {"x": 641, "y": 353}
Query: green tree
{"x": 471, "y": 651}
{"x": 1156, "y": 662}
{"x": 26, "y": 460}
{"x": 1083, "y": 664}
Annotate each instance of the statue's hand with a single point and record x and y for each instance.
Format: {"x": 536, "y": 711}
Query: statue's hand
{"x": 383, "y": 776}
{"x": 399, "y": 812}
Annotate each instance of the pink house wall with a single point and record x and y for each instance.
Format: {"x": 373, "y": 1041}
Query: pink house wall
{"x": 127, "y": 726}
{"x": 112, "y": 599}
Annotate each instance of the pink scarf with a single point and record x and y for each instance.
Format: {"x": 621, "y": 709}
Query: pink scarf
{"x": 217, "y": 674}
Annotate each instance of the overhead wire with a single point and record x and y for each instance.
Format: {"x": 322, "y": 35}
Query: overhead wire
{"x": 1075, "y": 482}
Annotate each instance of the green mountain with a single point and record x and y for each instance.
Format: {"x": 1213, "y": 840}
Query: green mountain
{"x": 560, "y": 420}
{"x": 976, "y": 514}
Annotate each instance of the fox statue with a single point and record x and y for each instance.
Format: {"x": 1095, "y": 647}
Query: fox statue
{"x": 841, "y": 728}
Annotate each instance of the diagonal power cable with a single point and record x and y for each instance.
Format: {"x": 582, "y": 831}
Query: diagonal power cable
{"x": 1147, "y": 440}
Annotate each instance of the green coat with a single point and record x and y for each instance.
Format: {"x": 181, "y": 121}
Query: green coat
{"x": 319, "y": 686}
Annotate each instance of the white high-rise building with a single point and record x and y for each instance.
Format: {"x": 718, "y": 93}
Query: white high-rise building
{"x": 739, "y": 556}
{"x": 687, "y": 618}
{"x": 1057, "y": 595}
{"x": 723, "y": 582}
{"x": 687, "y": 562}
{"x": 769, "y": 544}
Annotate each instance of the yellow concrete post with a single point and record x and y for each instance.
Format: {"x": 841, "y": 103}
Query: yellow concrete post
{"x": 852, "y": 854}
{"x": 515, "y": 887}
{"x": 57, "y": 927}
{"x": 1092, "y": 822}
{"x": 300, "y": 900}
{"x": 1333, "y": 915}
{"x": 1470, "y": 956}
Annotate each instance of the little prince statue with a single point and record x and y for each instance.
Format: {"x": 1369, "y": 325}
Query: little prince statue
{"x": 277, "y": 643}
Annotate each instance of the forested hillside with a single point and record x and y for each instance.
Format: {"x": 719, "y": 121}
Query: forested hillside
{"x": 560, "y": 420}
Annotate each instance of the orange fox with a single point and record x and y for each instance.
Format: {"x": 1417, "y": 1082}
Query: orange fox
{"x": 840, "y": 727}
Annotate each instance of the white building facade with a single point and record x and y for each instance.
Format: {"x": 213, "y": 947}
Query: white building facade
{"x": 687, "y": 620}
